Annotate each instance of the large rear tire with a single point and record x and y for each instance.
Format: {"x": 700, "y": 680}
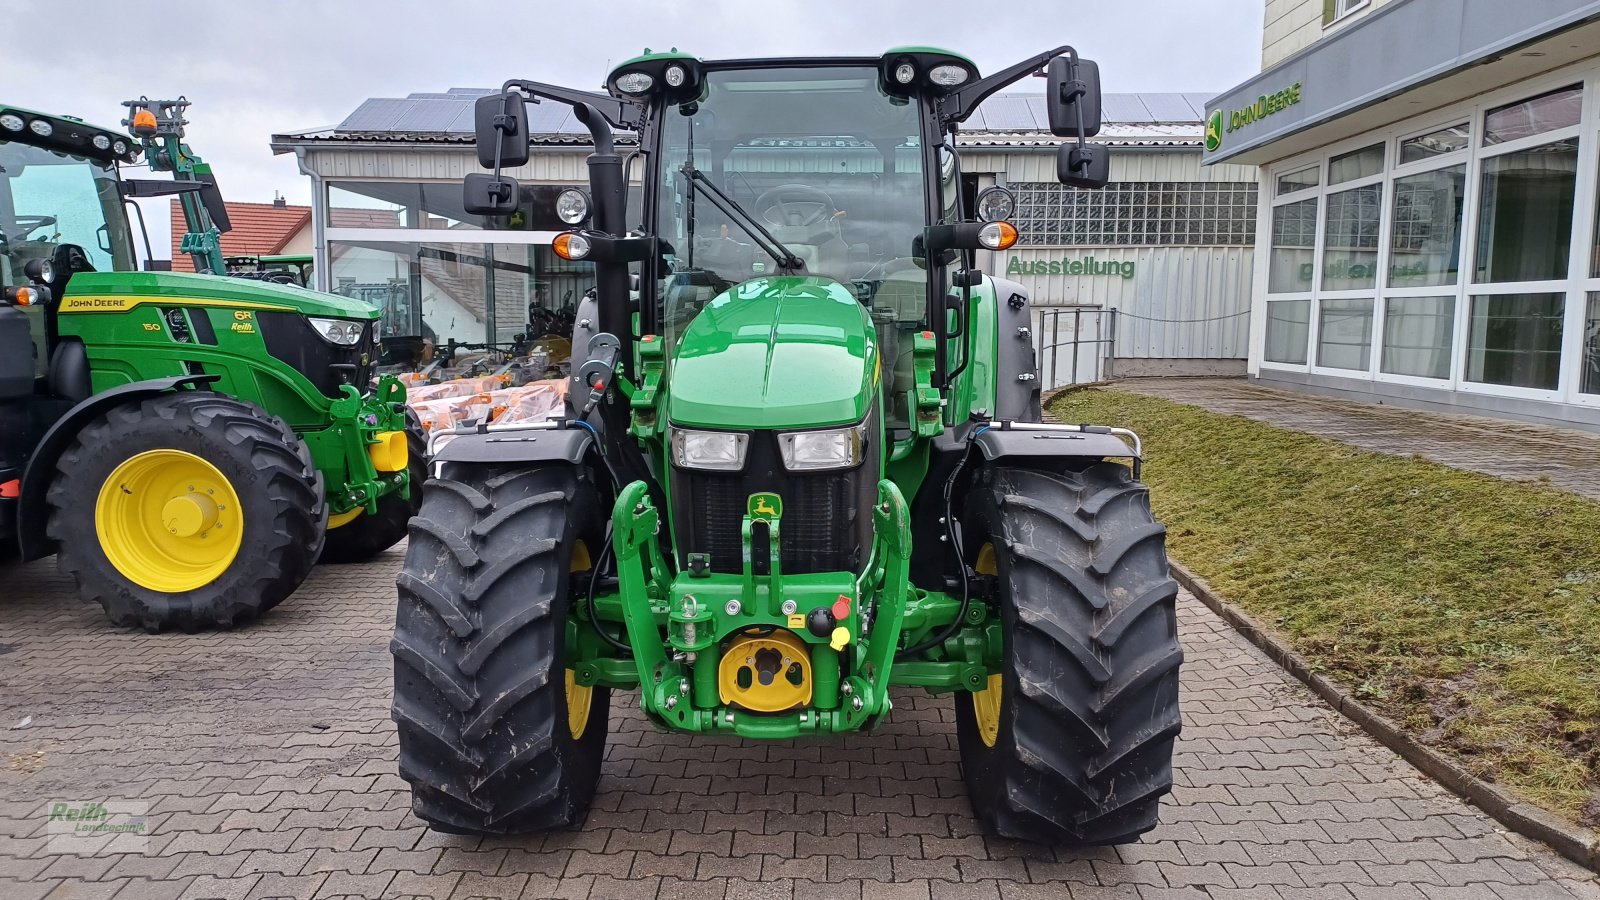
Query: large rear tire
{"x": 1072, "y": 742}
{"x": 495, "y": 738}
{"x": 186, "y": 510}
{"x": 366, "y": 536}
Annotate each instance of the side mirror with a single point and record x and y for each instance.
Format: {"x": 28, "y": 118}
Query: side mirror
{"x": 1074, "y": 89}
{"x": 211, "y": 199}
{"x": 1088, "y": 166}
{"x": 486, "y": 195}
{"x": 501, "y": 123}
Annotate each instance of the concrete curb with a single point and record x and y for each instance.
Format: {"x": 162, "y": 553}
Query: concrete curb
{"x": 1572, "y": 841}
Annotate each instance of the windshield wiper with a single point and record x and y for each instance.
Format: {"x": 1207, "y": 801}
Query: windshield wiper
{"x": 787, "y": 261}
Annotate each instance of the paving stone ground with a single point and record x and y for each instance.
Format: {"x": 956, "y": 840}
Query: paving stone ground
{"x": 266, "y": 757}
{"x": 1569, "y": 458}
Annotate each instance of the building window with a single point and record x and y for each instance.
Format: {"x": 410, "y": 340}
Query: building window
{"x": 1425, "y": 246}
{"x": 1525, "y": 214}
{"x": 1435, "y": 143}
{"x": 1536, "y": 115}
{"x": 1303, "y": 180}
{"x": 1363, "y": 163}
{"x": 470, "y": 293}
{"x": 1334, "y": 10}
{"x": 398, "y": 204}
{"x": 1515, "y": 340}
{"x": 1350, "y": 254}
{"x": 1288, "y": 331}
{"x": 1417, "y": 334}
{"x": 1137, "y": 213}
{"x": 1589, "y": 373}
{"x": 1344, "y": 334}
{"x": 1294, "y": 241}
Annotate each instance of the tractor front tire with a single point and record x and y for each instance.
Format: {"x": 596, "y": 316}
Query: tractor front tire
{"x": 367, "y": 535}
{"x": 495, "y": 736}
{"x": 1071, "y": 743}
{"x": 187, "y": 510}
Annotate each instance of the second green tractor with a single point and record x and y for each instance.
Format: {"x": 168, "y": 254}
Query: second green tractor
{"x": 802, "y": 466}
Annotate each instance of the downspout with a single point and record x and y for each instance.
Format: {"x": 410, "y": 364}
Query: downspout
{"x": 319, "y": 224}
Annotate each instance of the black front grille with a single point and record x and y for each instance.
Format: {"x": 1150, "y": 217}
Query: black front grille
{"x": 291, "y": 338}
{"x": 826, "y": 524}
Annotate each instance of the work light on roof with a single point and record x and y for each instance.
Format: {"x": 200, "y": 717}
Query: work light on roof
{"x": 675, "y": 76}
{"x": 101, "y": 142}
{"x": 41, "y": 128}
{"x": 905, "y": 73}
{"x": 119, "y": 148}
{"x": 634, "y": 82}
{"x": 12, "y": 122}
{"x": 948, "y": 75}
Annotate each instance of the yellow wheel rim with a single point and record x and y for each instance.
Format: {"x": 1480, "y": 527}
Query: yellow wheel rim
{"x": 169, "y": 521}
{"x": 986, "y": 703}
{"x": 339, "y": 520}
{"x": 986, "y": 709}
{"x": 579, "y": 697}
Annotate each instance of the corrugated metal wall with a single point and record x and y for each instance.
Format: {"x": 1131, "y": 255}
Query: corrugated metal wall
{"x": 1180, "y": 303}
{"x": 565, "y": 167}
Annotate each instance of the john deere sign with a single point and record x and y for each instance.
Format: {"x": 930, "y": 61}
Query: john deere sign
{"x": 1222, "y": 122}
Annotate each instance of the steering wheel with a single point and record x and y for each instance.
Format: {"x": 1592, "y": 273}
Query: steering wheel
{"x": 28, "y": 225}
{"x": 795, "y": 205}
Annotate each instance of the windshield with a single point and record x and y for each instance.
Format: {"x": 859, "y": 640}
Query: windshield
{"x": 827, "y": 165}
{"x": 48, "y": 199}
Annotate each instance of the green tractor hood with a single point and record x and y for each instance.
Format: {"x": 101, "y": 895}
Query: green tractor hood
{"x": 215, "y": 290}
{"x": 785, "y": 352}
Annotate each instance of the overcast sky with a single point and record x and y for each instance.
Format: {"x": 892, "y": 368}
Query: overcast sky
{"x": 254, "y": 68}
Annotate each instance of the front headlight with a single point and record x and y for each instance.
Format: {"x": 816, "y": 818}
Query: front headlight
{"x": 717, "y": 451}
{"x": 344, "y": 332}
{"x": 834, "y": 448}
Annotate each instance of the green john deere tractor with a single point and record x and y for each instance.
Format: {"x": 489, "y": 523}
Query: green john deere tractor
{"x": 802, "y": 464}
{"x": 183, "y": 443}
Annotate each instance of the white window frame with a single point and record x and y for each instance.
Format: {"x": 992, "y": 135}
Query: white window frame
{"x": 1576, "y": 287}
{"x": 1344, "y": 9}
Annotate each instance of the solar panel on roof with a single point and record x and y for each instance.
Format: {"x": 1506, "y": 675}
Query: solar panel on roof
{"x": 431, "y": 116}
{"x": 374, "y": 115}
{"x": 1127, "y": 108}
{"x": 1009, "y": 112}
{"x": 1168, "y": 107}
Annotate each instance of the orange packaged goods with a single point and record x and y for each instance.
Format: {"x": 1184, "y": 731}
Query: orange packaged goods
{"x": 456, "y": 387}
{"x": 532, "y": 402}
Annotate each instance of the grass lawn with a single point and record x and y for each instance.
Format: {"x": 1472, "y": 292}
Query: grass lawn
{"x": 1464, "y": 607}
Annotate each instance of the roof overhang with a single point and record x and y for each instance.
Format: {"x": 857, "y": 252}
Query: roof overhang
{"x": 1403, "y": 60}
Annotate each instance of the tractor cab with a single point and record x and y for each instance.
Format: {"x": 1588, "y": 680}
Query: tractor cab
{"x": 61, "y": 212}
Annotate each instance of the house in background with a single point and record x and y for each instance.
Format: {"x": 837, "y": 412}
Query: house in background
{"x": 259, "y": 229}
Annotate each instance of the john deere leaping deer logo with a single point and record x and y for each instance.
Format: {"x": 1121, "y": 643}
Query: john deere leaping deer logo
{"x": 765, "y": 506}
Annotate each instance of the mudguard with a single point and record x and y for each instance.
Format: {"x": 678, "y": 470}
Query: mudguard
{"x": 1016, "y": 376}
{"x": 517, "y": 445}
{"x": 41, "y": 468}
{"x": 1045, "y": 441}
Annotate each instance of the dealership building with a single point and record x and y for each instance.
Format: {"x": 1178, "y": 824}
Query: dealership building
{"x": 1427, "y": 205}
{"x": 1168, "y": 245}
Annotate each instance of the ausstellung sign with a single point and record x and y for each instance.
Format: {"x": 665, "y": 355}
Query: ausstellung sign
{"x": 1222, "y": 122}
{"x": 1088, "y": 265}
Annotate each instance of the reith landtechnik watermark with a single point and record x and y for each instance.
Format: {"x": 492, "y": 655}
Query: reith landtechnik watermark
{"x": 89, "y": 827}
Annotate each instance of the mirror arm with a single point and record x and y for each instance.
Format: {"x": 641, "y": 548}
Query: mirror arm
{"x": 958, "y": 105}
{"x": 620, "y": 113}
